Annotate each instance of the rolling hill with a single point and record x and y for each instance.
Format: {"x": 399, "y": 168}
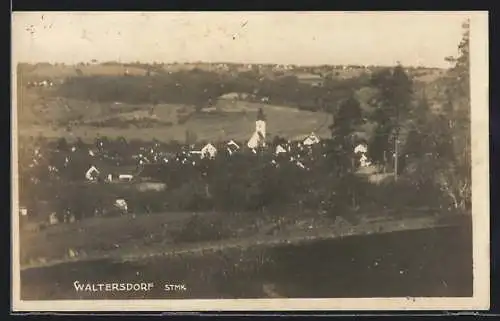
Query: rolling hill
{"x": 167, "y": 122}
{"x": 42, "y": 112}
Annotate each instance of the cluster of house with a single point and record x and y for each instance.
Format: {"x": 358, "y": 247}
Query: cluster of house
{"x": 105, "y": 166}
{"x": 139, "y": 169}
{"x": 42, "y": 83}
{"x": 297, "y": 151}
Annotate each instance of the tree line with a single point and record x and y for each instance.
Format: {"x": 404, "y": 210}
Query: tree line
{"x": 200, "y": 88}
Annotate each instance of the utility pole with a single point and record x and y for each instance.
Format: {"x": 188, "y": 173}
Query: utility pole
{"x": 353, "y": 170}
{"x": 396, "y": 155}
{"x": 353, "y": 190}
{"x": 385, "y": 162}
{"x": 396, "y": 145}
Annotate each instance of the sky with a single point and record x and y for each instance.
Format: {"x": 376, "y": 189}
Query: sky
{"x": 302, "y": 38}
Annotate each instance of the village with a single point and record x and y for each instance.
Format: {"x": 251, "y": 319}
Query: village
{"x": 156, "y": 167}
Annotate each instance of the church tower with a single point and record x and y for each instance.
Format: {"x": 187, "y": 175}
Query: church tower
{"x": 260, "y": 125}
{"x": 259, "y": 136}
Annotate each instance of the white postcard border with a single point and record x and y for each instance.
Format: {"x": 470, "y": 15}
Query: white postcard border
{"x": 480, "y": 209}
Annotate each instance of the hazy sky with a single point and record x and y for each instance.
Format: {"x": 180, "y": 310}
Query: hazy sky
{"x": 306, "y": 38}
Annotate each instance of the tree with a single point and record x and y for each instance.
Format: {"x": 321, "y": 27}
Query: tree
{"x": 346, "y": 119}
{"x": 460, "y": 91}
{"x": 428, "y": 136}
{"x": 345, "y": 123}
{"x": 443, "y": 158}
{"x": 391, "y": 104}
{"x": 79, "y": 143}
{"x": 455, "y": 179}
{"x": 419, "y": 129}
{"x": 62, "y": 145}
{"x": 190, "y": 137}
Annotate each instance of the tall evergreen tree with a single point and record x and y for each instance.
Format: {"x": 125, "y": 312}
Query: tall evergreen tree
{"x": 346, "y": 121}
{"x": 392, "y": 104}
{"x": 456, "y": 177}
{"x": 446, "y": 136}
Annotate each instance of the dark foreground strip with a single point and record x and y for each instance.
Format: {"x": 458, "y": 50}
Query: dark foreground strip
{"x": 261, "y": 241}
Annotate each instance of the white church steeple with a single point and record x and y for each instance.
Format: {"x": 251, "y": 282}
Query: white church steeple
{"x": 259, "y": 136}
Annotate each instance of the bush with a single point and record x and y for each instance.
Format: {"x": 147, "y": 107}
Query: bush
{"x": 190, "y": 196}
{"x": 201, "y": 229}
{"x": 147, "y": 202}
{"x": 401, "y": 195}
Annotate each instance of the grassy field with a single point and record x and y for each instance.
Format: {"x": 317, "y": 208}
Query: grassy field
{"x": 48, "y": 116}
{"x": 134, "y": 237}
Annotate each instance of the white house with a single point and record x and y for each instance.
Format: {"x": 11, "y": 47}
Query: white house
{"x": 233, "y": 144}
{"x": 209, "y": 151}
{"x": 92, "y": 173}
{"x": 232, "y": 147}
{"x": 280, "y": 150}
{"x": 53, "y": 218}
{"x": 361, "y": 149}
{"x": 121, "y": 204}
{"x": 23, "y": 211}
{"x": 311, "y": 140}
{"x": 253, "y": 142}
{"x": 125, "y": 177}
{"x": 195, "y": 152}
{"x": 364, "y": 162}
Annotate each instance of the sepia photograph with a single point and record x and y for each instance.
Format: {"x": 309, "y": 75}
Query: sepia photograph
{"x": 213, "y": 161}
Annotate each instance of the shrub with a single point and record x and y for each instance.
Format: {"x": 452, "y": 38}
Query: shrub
{"x": 190, "y": 196}
{"x": 202, "y": 229}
